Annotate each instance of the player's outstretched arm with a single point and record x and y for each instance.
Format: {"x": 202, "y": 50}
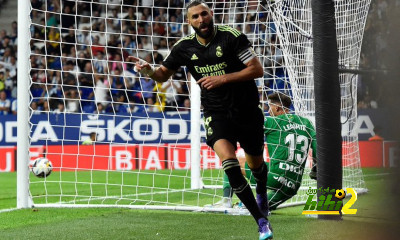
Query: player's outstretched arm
{"x": 253, "y": 70}
{"x": 160, "y": 74}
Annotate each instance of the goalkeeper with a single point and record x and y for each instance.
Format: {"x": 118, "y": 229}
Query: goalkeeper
{"x": 224, "y": 64}
{"x": 289, "y": 137}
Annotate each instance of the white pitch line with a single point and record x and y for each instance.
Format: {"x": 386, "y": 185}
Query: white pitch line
{"x": 8, "y": 210}
{"x": 377, "y": 174}
{"x": 129, "y": 195}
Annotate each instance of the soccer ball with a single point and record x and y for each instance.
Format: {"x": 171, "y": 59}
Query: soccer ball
{"x": 41, "y": 167}
{"x": 340, "y": 194}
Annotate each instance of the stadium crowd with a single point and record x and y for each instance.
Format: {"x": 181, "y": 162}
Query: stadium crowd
{"x": 379, "y": 45}
{"x": 78, "y": 62}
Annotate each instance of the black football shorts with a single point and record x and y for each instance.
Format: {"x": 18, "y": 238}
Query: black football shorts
{"x": 248, "y": 130}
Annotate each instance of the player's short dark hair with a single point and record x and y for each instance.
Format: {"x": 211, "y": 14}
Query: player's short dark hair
{"x": 281, "y": 99}
{"x": 194, "y": 3}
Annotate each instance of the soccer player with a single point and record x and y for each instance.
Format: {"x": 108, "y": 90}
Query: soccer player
{"x": 224, "y": 64}
{"x": 91, "y": 140}
{"x": 289, "y": 137}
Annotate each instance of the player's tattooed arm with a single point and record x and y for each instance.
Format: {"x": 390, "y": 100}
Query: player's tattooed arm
{"x": 160, "y": 74}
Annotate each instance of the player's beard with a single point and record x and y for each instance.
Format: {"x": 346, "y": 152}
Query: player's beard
{"x": 208, "y": 33}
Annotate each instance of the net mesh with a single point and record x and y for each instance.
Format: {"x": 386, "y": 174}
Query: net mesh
{"x": 82, "y": 85}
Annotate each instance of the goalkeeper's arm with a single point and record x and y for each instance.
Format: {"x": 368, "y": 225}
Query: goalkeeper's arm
{"x": 160, "y": 74}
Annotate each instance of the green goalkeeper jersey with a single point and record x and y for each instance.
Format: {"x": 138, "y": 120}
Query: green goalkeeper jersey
{"x": 289, "y": 138}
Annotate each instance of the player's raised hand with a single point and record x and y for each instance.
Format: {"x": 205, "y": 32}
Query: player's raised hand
{"x": 211, "y": 82}
{"x": 142, "y": 66}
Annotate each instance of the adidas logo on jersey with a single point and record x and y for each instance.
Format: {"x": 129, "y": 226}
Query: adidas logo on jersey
{"x": 194, "y": 57}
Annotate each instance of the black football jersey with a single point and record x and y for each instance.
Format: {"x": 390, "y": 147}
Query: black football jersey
{"x": 218, "y": 57}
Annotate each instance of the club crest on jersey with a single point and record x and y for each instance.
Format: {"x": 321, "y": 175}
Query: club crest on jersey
{"x": 219, "y": 51}
{"x": 209, "y": 131}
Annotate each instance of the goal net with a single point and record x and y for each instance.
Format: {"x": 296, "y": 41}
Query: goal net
{"x": 118, "y": 139}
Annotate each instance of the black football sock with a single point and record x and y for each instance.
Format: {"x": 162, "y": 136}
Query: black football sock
{"x": 241, "y": 187}
{"x": 261, "y": 175}
{"x": 227, "y": 190}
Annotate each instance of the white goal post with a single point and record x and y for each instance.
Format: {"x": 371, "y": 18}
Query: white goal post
{"x": 149, "y": 150}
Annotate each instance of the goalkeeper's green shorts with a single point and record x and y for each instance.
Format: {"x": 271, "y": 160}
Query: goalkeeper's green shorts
{"x": 275, "y": 196}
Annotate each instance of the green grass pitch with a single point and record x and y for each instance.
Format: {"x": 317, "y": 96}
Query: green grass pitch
{"x": 374, "y": 219}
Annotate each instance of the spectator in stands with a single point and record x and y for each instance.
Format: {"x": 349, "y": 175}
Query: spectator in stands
{"x": 34, "y": 108}
{"x": 67, "y": 19}
{"x": 186, "y": 105}
{"x": 159, "y": 28}
{"x": 11, "y": 66}
{"x": 129, "y": 20}
{"x": 69, "y": 82}
{"x": 117, "y": 83}
{"x": 69, "y": 40}
{"x": 99, "y": 109}
{"x": 142, "y": 29}
{"x": 175, "y": 27}
{"x": 87, "y": 78}
{"x": 54, "y": 85}
{"x": 117, "y": 63}
{"x": 85, "y": 9}
{"x": 72, "y": 101}
{"x": 100, "y": 64}
{"x": 135, "y": 107}
{"x": 129, "y": 45}
{"x": 97, "y": 46}
{"x": 146, "y": 43}
{"x": 367, "y": 102}
{"x": 14, "y": 107}
{"x": 14, "y": 32}
{"x": 51, "y": 20}
{"x": 2, "y": 81}
{"x": 160, "y": 99}
{"x": 38, "y": 29}
{"x": 147, "y": 86}
{"x": 60, "y": 108}
{"x": 152, "y": 107}
{"x": 163, "y": 45}
{"x": 115, "y": 22}
{"x": 179, "y": 15}
{"x": 120, "y": 104}
{"x": 82, "y": 61}
{"x": 53, "y": 6}
{"x": 7, "y": 55}
{"x": 101, "y": 91}
{"x": 185, "y": 30}
{"x": 83, "y": 38}
{"x": 146, "y": 15}
{"x": 6, "y": 44}
{"x": 172, "y": 90}
{"x": 54, "y": 41}
{"x": 10, "y": 84}
{"x": 3, "y": 33}
{"x": 162, "y": 14}
{"x": 46, "y": 108}
{"x": 36, "y": 4}
{"x": 5, "y": 104}
{"x": 112, "y": 44}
